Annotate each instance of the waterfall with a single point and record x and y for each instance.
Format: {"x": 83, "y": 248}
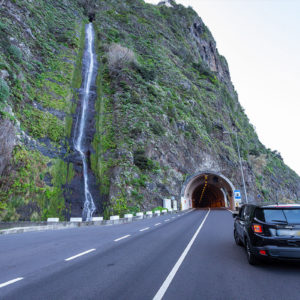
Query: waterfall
{"x": 79, "y": 136}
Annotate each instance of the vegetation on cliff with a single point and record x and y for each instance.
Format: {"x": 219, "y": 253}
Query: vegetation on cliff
{"x": 39, "y": 44}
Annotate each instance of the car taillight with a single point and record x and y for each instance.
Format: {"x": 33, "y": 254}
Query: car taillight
{"x": 257, "y": 228}
{"x": 263, "y": 252}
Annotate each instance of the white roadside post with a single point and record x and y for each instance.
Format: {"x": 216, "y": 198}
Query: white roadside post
{"x": 139, "y": 215}
{"x": 75, "y": 219}
{"x": 97, "y": 219}
{"x": 128, "y": 216}
{"x": 149, "y": 214}
{"x": 50, "y": 220}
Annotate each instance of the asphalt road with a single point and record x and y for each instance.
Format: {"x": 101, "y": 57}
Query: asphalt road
{"x": 183, "y": 256}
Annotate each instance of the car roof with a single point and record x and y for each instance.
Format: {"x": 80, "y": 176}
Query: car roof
{"x": 281, "y": 206}
{"x": 277, "y": 205}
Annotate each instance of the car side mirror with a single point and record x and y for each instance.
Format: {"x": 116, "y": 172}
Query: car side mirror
{"x": 235, "y": 214}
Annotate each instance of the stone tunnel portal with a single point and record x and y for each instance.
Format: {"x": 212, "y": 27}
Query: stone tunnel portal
{"x": 208, "y": 190}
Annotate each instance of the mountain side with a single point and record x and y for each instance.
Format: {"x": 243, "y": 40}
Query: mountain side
{"x": 164, "y": 101}
{"x": 170, "y": 100}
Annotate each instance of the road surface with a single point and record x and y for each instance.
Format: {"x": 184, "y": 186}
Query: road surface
{"x": 182, "y": 256}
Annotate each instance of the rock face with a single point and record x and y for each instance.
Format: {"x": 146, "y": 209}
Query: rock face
{"x": 7, "y": 142}
{"x": 162, "y": 102}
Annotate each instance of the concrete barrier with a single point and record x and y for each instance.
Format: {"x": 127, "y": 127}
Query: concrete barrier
{"x": 75, "y": 219}
{"x": 157, "y": 212}
{"x": 149, "y": 213}
{"x": 52, "y": 220}
{"x": 139, "y": 215}
{"x": 16, "y": 227}
{"x": 164, "y": 211}
{"x": 97, "y": 219}
{"x": 128, "y": 216}
{"x": 113, "y": 218}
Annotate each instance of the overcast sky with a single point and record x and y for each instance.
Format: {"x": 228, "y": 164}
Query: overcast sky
{"x": 261, "y": 42}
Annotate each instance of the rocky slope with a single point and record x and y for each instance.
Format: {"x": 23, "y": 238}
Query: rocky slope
{"x": 164, "y": 100}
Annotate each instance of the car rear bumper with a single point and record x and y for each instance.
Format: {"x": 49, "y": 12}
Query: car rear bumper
{"x": 279, "y": 252}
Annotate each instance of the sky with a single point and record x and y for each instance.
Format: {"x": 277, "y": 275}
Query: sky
{"x": 261, "y": 42}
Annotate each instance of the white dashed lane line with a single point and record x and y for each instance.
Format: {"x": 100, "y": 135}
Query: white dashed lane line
{"x": 145, "y": 229}
{"x": 10, "y": 282}
{"x": 157, "y": 224}
{"x": 121, "y": 238}
{"x": 167, "y": 220}
{"x": 79, "y": 254}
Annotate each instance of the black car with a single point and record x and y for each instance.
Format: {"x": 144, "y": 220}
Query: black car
{"x": 268, "y": 231}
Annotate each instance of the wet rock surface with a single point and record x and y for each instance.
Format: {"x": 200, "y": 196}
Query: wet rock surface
{"x": 7, "y": 142}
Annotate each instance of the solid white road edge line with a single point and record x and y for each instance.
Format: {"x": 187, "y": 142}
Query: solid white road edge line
{"x": 144, "y": 229}
{"x": 157, "y": 224}
{"x": 121, "y": 238}
{"x": 10, "y": 282}
{"x": 173, "y": 272}
{"x": 79, "y": 254}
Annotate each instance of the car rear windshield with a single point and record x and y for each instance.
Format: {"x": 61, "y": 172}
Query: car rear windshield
{"x": 275, "y": 215}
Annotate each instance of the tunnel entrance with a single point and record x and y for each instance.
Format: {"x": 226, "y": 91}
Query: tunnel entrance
{"x": 207, "y": 190}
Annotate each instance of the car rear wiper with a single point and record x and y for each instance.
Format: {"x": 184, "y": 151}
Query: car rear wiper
{"x": 280, "y": 221}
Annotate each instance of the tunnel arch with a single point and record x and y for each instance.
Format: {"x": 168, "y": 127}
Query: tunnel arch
{"x": 207, "y": 189}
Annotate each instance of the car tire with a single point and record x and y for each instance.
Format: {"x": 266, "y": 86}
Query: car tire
{"x": 252, "y": 259}
{"x": 237, "y": 238}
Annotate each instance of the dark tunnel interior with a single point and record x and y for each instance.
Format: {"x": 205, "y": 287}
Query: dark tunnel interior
{"x": 208, "y": 196}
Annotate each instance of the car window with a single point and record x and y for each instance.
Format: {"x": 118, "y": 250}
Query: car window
{"x": 247, "y": 213}
{"x": 270, "y": 215}
{"x": 291, "y": 216}
{"x": 241, "y": 214}
{"x": 273, "y": 215}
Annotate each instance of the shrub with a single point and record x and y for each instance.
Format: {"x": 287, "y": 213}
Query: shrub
{"x": 147, "y": 72}
{"x": 4, "y": 90}
{"x": 205, "y": 73}
{"x": 157, "y": 128}
{"x": 120, "y": 57}
{"x": 141, "y": 160}
{"x": 15, "y": 53}
{"x": 160, "y": 208}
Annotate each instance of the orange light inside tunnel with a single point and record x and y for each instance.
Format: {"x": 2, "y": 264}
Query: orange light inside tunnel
{"x": 208, "y": 195}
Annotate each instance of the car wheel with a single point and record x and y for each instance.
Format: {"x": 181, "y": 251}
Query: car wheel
{"x": 236, "y": 238}
{"x": 252, "y": 259}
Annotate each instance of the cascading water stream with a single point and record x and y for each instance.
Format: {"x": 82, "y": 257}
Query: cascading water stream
{"x": 89, "y": 205}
